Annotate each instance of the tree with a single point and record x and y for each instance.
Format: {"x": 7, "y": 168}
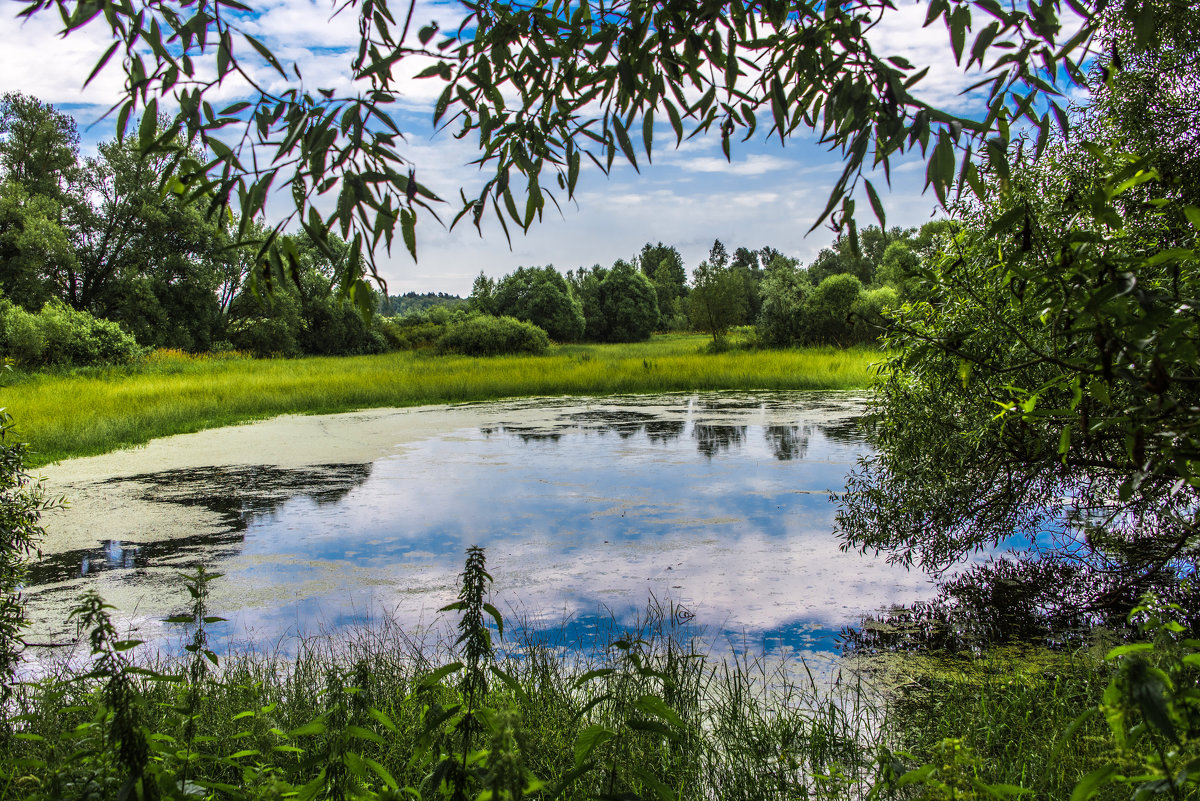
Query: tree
{"x": 39, "y": 146}
{"x": 542, "y": 296}
{"x": 664, "y": 267}
{"x": 827, "y": 309}
{"x": 33, "y": 246}
{"x": 785, "y": 288}
{"x": 585, "y": 284}
{"x": 628, "y": 304}
{"x": 1043, "y": 395}
{"x": 483, "y": 295}
{"x": 716, "y": 300}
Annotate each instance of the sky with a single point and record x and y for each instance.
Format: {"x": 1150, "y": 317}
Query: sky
{"x": 767, "y": 195}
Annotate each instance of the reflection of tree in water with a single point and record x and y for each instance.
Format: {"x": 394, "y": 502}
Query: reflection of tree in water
{"x": 622, "y": 422}
{"x": 529, "y": 434}
{"x": 712, "y": 438}
{"x": 663, "y": 431}
{"x": 1021, "y": 598}
{"x": 236, "y": 494}
{"x": 788, "y": 442}
{"x": 846, "y": 431}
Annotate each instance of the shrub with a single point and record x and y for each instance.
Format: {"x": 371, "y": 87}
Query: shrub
{"x": 61, "y": 336}
{"x": 417, "y": 330}
{"x": 493, "y": 336}
{"x": 264, "y": 336}
{"x": 542, "y": 296}
{"x": 21, "y": 336}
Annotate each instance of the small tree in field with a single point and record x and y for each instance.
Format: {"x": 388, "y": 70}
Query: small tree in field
{"x": 716, "y": 301}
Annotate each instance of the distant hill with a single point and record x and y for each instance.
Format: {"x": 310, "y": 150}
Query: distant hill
{"x": 411, "y": 302}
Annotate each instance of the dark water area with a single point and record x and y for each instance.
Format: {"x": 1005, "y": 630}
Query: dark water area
{"x": 713, "y": 506}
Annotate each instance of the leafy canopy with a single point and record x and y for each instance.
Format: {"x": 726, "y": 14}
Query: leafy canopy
{"x": 544, "y": 85}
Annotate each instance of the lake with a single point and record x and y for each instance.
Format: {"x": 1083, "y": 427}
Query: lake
{"x": 716, "y": 505}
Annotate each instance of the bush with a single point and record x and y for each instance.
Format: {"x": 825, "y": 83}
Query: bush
{"x": 869, "y": 309}
{"x": 21, "y": 336}
{"x": 63, "y": 337}
{"x": 493, "y": 336}
{"x": 418, "y": 330}
{"x": 264, "y": 336}
{"x": 542, "y": 296}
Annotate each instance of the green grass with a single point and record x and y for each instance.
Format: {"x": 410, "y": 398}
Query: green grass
{"x": 1010, "y": 706}
{"x": 87, "y": 412}
{"x": 743, "y": 731}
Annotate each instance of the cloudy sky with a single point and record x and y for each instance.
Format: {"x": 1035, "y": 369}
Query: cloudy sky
{"x": 768, "y": 195}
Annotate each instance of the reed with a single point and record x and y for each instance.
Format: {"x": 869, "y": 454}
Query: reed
{"x": 91, "y": 411}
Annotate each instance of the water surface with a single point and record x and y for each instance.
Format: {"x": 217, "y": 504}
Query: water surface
{"x": 716, "y": 504}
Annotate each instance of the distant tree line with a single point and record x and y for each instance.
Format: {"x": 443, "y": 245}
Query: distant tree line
{"x": 839, "y": 299}
{"x": 409, "y": 302}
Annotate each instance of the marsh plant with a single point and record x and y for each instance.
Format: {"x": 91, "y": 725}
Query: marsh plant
{"x": 381, "y": 717}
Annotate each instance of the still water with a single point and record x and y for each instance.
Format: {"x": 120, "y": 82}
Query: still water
{"x": 715, "y": 504}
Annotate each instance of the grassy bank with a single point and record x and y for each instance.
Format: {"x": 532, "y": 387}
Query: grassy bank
{"x": 87, "y": 412}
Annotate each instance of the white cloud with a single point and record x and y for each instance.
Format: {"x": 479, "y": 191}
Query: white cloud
{"x": 755, "y": 164}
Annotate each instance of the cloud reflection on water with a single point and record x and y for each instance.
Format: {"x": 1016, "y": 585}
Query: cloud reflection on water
{"x": 718, "y": 503}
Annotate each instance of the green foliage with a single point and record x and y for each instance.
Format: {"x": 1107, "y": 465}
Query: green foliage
{"x": 898, "y": 268}
{"x": 784, "y": 291}
{"x": 827, "y": 310}
{"x": 619, "y": 304}
{"x": 22, "y": 503}
{"x": 60, "y": 336}
{"x": 33, "y": 245}
{"x": 1152, "y": 709}
{"x": 542, "y": 296}
{"x": 39, "y": 146}
{"x": 482, "y": 335}
{"x": 664, "y": 267}
{"x": 717, "y": 299}
{"x": 410, "y": 302}
{"x": 1046, "y": 373}
{"x": 268, "y": 330}
{"x": 869, "y": 311}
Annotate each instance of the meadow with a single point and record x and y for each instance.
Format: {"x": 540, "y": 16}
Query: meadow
{"x": 87, "y": 411}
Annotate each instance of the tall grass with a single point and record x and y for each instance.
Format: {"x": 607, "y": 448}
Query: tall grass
{"x": 1009, "y": 707}
{"x": 92, "y": 411}
{"x": 674, "y": 723}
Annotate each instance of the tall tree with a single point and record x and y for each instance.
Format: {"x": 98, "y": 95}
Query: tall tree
{"x": 39, "y": 146}
{"x": 664, "y": 267}
{"x": 1043, "y": 391}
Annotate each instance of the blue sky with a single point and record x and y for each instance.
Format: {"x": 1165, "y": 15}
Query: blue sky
{"x": 768, "y": 195}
